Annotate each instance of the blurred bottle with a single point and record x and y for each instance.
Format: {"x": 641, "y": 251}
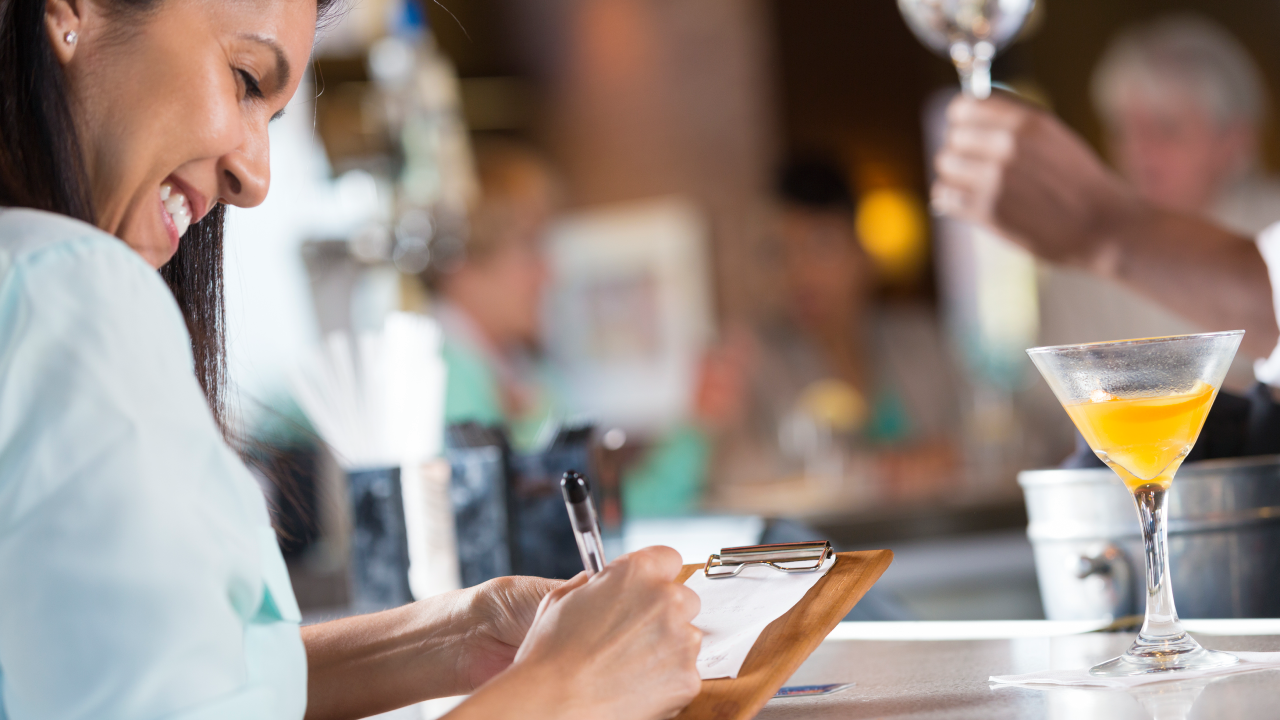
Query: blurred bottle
{"x": 437, "y": 181}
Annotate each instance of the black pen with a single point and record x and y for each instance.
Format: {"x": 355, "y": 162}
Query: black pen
{"x": 582, "y": 515}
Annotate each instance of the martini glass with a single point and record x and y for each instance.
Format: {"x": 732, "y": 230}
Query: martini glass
{"x": 1140, "y": 405}
{"x": 969, "y": 32}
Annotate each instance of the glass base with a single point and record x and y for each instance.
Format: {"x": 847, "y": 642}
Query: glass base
{"x": 1148, "y": 655}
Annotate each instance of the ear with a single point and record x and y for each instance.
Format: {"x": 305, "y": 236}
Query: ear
{"x": 1240, "y": 143}
{"x": 62, "y": 22}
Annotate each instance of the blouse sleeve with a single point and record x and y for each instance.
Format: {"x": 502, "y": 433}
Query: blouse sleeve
{"x": 128, "y": 566}
{"x": 1267, "y": 370}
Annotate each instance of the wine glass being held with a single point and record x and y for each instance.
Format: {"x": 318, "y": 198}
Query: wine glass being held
{"x": 617, "y": 645}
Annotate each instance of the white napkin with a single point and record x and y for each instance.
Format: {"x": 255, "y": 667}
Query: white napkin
{"x": 1081, "y": 677}
{"x": 736, "y": 610}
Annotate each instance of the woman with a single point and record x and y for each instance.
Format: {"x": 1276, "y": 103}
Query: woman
{"x": 139, "y": 577}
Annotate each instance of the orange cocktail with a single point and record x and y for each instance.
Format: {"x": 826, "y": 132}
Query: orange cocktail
{"x": 1140, "y": 405}
{"x": 1144, "y": 439}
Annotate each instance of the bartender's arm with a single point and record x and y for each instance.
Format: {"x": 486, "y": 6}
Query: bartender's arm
{"x": 619, "y": 646}
{"x": 1019, "y": 171}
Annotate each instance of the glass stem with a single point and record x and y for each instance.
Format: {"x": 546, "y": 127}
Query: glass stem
{"x": 975, "y": 78}
{"x": 1161, "y": 622}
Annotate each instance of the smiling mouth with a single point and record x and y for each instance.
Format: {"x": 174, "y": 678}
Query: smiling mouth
{"x": 177, "y": 207}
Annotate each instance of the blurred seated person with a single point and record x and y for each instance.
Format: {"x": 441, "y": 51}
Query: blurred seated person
{"x": 488, "y": 297}
{"x": 1182, "y": 105}
{"x": 850, "y": 397}
{"x": 488, "y": 301}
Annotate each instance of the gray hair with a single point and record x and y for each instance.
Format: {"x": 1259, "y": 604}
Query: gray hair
{"x": 1186, "y": 53}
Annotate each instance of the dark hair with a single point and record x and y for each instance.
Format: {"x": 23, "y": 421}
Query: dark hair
{"x": 814, "y": 184}
{"x": 42, "y": 167}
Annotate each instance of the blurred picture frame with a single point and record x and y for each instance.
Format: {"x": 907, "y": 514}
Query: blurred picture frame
{"x": 629, "y": 313}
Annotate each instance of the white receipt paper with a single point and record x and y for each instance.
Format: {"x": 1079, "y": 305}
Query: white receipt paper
{"x": 736, "y": 610}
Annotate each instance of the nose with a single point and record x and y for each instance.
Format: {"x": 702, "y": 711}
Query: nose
{"x": 244, "y": 175}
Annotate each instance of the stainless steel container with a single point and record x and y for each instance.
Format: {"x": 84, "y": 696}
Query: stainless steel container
{"x": 1224, "y": 540}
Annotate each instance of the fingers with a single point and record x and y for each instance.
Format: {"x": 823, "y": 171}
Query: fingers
{"x": 556, "y": 594}
{"x": 962, "y": 183}
{"x": 659, "y": 561}
{"x": 980, "y": 142}
{"x": 966, "y": 173}
{"x": 515, "y": 595}
{"x": 687, "y": 684}
{"x": 520, "y": 585}
{"x": 950, "y": 201}
{"x": 627, "y": 631}
{"x": 567, "y": 586}
{"x": 684, "y": 601}
{"x": 996, "y": 112}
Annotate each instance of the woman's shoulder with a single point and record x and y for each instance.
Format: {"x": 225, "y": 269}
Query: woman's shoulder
{"x": 52, "y": 259}
{"x": 24, "y": 232}
{"x": 90, "y": 337}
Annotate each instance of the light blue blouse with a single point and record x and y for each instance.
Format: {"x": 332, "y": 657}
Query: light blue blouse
{"x": 139, "y": 574}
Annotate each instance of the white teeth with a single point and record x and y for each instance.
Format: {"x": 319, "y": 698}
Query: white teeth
{"x": 176, "y": 204}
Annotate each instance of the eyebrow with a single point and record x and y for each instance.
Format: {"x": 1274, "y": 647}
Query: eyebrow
{"x": 283, "y": 69}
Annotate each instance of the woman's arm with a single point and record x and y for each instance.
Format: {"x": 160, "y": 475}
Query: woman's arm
{"x": 442, "y": 646}
{"x": 617, "y": 645}
{"x": 131, "y": 557}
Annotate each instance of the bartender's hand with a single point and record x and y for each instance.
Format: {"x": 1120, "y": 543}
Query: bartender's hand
{"x": 618, "y": 645}
{"x": 1019, "y": 171}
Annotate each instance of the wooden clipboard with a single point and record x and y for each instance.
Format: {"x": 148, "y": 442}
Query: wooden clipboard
{"x": 789, "y": 640}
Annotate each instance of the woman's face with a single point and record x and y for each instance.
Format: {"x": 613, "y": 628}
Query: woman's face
{"x": 172, "y": 106}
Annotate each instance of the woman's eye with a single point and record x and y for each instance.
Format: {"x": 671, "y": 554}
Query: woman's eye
{"x": 251, "y": 87}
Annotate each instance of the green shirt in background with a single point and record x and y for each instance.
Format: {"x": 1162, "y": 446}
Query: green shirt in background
{"x": 669, "y": 480}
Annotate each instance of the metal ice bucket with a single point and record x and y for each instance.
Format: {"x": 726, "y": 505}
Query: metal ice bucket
{"x": 1224, "y": 540}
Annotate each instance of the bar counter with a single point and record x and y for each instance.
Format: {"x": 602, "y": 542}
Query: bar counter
{"x": 931, "y": 678}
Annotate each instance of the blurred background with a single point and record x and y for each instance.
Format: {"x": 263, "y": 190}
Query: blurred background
{"x": 687, "y": 245}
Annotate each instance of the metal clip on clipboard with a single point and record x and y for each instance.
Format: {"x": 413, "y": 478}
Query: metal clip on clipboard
{"x": 737, "y": 558}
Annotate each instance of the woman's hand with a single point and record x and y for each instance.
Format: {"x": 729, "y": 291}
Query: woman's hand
{"x": 449, "y": 644}
{"x": 500, "y": 612}
{"x": 618, "y": 645}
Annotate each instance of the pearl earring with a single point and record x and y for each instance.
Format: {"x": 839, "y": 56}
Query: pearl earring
{"x": 71, "y": 37}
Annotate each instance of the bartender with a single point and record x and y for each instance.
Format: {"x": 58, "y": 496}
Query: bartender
{"x": 1182, "y": 106}
{"x": 1019, "y": 171}
{"x": 141, "y": 576}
